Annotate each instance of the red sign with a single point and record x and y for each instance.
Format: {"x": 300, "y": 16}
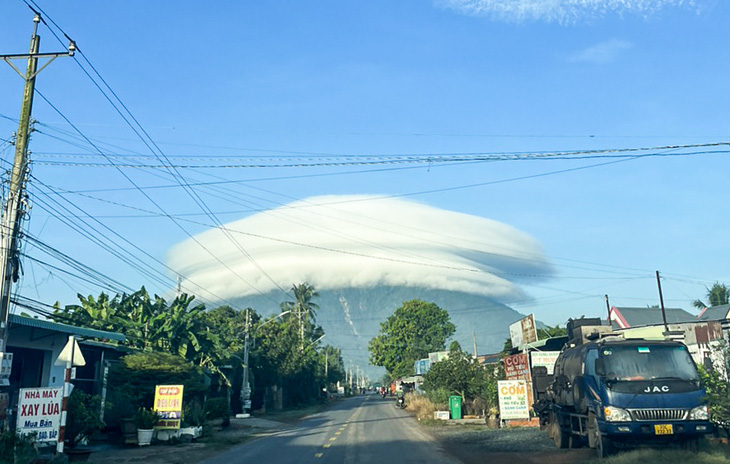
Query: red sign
{"x": 516, "y": 367}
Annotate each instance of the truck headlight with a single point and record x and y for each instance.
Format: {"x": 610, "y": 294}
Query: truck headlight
{"x": 700, "y": 413}
{"x": 614, "y": 414}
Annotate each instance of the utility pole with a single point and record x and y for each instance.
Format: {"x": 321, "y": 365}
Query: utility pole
{"x": 608, "y": 310}
{"x": 661, "y": 302}
{"x": 474, "y": 343}
{"x": 245, "y": 388}
{"x": 16, "y": 202}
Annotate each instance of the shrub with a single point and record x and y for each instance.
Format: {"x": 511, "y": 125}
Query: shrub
{"x": 216, "y": 408}
{"x": 137, "y": 374}
{"x": 421, "y": 406}
{"x": 16, "y": 449}
{"x": 146, "y": 418}
{"x": 83, "y": 417}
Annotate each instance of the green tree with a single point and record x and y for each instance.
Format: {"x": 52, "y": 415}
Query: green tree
{"x": 414, "y": 330}
{"x": 302, "y": 306}
{"x": 717, "y": 295}
{"x": 462, "y": 375}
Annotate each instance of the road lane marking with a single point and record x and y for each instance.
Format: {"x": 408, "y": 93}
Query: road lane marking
{"x": 319, "y": 455}
{"x": 333, "y": 438}
{"x": 338, "y": 432}
{"x": 326, "y": 445}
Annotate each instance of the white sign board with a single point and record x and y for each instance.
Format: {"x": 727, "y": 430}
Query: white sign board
{"x": 6, "y": 366}
{"x": 513, "y": 402}
{"x": 523, "y": 331}
{"x": 544, "y": 358}
{"x": 39, "y": 411}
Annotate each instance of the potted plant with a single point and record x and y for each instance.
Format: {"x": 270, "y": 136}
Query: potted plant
{"x": 193, "y": 419}
{"x": 82, "y": 419}
{"x": 145, "y": 420}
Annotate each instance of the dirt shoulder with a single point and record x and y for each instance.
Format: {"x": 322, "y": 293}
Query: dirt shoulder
{"x": 216, "y": 439}
{"x": 476, "y": 444}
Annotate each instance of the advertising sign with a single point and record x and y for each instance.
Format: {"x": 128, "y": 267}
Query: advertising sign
{"x": 168, "y": 404}
{"x": 516, "y": 368}
{"x": 437, "y": 356}
{"x": 513, "y": 399}
{"x": 6, "y": 366}
{"x": 544, "y": 358}
{"x": 523, "y": 332}
{"x": 39, "y": 411}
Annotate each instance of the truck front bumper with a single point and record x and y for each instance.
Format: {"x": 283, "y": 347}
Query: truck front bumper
{"x": 656, "y": 430}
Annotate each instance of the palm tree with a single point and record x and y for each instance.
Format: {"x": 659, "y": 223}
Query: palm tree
{"x": 302, "y": 306}
{"x": 718, "y": 295}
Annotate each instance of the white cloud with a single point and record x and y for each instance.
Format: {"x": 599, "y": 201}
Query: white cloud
{"x": 376, "y": 241}
{"x": 602, "y": 53}
{"x": 561, "y": 11}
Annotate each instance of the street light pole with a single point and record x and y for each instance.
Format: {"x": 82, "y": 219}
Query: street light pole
{"x": 246, "y": 387}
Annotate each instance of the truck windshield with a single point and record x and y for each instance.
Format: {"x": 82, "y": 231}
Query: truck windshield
{"x": 648, "y": 362}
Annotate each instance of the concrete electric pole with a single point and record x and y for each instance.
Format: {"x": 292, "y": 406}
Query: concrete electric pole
{"x": 16, "y": 201}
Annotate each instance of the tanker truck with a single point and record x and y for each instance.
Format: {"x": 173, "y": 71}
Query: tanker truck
{"x": 608, "y": 392}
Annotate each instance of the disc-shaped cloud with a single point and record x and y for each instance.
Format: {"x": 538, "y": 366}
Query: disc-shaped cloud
{"x": 358, "y": 242}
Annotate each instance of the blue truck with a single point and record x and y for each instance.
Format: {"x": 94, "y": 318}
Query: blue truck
{"x": 611, "y": 392}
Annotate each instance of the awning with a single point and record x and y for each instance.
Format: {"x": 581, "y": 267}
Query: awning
{"x": 16, "y": 319}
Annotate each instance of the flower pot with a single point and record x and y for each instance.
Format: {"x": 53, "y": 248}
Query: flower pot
{"x": 144, "y": 436}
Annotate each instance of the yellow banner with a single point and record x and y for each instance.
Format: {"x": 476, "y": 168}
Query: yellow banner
{"x": 168, "y": 404}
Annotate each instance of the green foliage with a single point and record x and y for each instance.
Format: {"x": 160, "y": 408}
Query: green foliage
{"x": 216, "y": 408}
{"x": 193, "y": 414}
{"x": 16, "y": 449}
{"x": 717, "y": 385}
{"x": 718, "y": 295}
{"x": 414, "y": 330}
{"x": 145, "y": 418}
{"x": 83, "y": 417}
{"x": 461, "y": 375}
{"x": 149, "y": 323}
{"x": 137, "y": 374}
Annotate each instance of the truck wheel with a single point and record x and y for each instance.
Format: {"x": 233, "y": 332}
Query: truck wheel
{"x": 560, "y": 436}
{"x": 602, "y": 444}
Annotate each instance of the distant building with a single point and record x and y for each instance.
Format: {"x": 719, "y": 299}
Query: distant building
{"x": 720, "y": 314}
{"x": 624, "y": 318}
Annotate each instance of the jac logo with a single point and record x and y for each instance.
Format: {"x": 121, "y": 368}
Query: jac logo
{"x": 657, "y": 389}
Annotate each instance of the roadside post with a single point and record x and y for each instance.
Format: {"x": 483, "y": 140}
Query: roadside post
{"x": 455, "y": 406}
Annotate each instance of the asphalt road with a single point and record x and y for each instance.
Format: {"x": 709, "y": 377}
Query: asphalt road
{"x": 360, "y": 430}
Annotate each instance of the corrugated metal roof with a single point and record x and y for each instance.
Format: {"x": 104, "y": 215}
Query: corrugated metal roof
{"x": 715, "y": 313}
{"x": 649, "y": 316}
{"x": 16, "y": 319}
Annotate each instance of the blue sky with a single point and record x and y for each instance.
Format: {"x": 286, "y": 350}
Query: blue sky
{"x": 291, "y": 82}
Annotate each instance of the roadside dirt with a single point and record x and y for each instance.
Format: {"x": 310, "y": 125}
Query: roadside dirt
{"x": 477, "y": 444}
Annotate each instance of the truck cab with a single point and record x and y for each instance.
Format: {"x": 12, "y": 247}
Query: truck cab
{"x": 617, "y": 392}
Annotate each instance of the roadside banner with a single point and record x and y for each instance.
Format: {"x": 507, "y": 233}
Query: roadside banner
{"x": 39, "y": 412}
{"x": 6, "y": 366}
{"x": 523, "y": 332}
{"x": 168, "y": 404}
{"x": 513, "y": 402}
{"x": 516, "y": 368}
{"x": 544, "y": 358}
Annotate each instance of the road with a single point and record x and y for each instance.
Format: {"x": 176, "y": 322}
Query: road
{"x": 359, "y": 430}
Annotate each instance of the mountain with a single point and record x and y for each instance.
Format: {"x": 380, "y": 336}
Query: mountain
{"x": 350, "y": 317}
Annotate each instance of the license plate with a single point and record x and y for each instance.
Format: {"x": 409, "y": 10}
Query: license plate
{"x": 663, "y": 429}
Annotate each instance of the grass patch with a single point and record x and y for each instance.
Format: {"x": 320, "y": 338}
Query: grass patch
{"x": 422, "y": 408}
{"x": 713, "y": 455}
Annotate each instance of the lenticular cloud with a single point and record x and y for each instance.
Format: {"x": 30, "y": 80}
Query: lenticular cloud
{"x": 358, "y": 242}
{"x": 562, "y": 11}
